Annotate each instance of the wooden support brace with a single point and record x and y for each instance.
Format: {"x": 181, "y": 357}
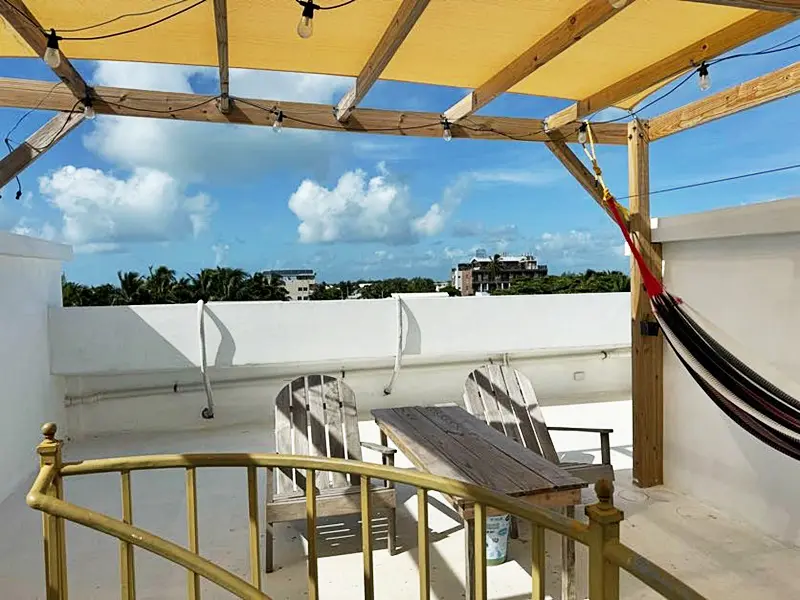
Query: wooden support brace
{"x": 221, "y": 23}
{"x": 582, "y": 22}
{"x": 25, "y": 24}
{"x": 403, "y": 21}
{"x": 37, "y": 144}
{"x": 647, "y": 350}
{"x": 761, "y": 90}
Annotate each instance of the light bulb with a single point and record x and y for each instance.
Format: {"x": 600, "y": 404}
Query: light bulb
{"x": 305, "y": 28}
{"x": 278, "y": 124}
{"x": 705, "y": 78}
{"x": 618, "y": 3}
{"x": 447, "y": 135}
{"x": 88, "y": 112}
{"x": 583, "y": 136}
{"x": 52, "y": 56}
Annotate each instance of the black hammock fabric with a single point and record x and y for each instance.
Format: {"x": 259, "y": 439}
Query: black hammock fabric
{"x": 748, "y": 399}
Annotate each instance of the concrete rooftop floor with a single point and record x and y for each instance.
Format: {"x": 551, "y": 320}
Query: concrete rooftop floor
{"x": 721, "y": 558}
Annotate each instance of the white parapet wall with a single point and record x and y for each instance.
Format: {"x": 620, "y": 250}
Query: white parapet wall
{"x": 740, "y": 268}
{"x": 30, "y": 283}
{"x": 137, "y": 368}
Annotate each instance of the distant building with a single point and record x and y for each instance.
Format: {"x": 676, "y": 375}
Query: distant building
{"x": 299, "y": 282}
{"x": 486, "y": 274}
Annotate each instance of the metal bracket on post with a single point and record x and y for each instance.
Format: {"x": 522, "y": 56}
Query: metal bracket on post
{"x": 649, "y": 328}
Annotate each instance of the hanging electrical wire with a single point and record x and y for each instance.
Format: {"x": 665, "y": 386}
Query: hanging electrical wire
{"x": 124, "y": 16}
{"x": 704, "y": 77}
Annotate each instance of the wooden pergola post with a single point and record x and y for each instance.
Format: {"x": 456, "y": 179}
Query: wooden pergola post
{"x": 646, "y": 342}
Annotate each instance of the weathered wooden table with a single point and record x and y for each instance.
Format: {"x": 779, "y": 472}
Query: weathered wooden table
{"x": 448, "y": 441}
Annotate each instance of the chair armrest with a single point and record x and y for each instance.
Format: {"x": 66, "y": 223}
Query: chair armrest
{"x": 605, "y": 441}
{"x": 584, "y": 429}
{"x": 378, "y": 448}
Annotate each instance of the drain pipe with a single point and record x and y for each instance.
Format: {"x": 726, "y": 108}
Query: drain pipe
{"x": 398, "y": 357}
{"x": 208, "y": 411}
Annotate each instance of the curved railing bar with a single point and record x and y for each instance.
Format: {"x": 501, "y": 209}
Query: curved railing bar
{"x": 548, "y": 519}
{"x": 649, "y": 573}
{"x": 38, "y": 500}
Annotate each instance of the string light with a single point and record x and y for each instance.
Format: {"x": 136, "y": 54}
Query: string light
{"x": 278, "y": 124}
{"x": 52, "y": 55}
{"x": 88, "y": 109}
{"x": 583, "y": 133}
{"x": 447, "y": 135}
{"x": 305, "y": 28}
{"x": 705, "y": 78}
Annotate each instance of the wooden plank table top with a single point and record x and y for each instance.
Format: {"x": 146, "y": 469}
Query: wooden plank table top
{"x": 450, "y": 442}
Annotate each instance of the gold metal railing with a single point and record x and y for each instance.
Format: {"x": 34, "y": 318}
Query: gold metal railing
{"x": 601, "y": 535}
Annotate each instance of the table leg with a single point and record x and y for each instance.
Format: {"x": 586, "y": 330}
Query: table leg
{"x": 469, "y": 557}
{"x": 568, "y": 561}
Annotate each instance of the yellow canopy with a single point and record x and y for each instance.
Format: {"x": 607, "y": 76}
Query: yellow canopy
{"x": 459, "y": 43}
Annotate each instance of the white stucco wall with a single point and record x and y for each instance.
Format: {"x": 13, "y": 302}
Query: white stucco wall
{"x": 30, "y": 282}
{"x": 124, "y": 363}
{"x": 749, "y": 286}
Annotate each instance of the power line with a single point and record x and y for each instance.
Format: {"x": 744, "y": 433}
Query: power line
{"x": 713, "y": 181}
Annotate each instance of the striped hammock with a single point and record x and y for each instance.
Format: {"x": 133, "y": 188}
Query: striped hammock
{"x": 756, "y": 404}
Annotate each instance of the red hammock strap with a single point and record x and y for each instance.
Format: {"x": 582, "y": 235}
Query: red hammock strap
{"x": 651, "y": 283}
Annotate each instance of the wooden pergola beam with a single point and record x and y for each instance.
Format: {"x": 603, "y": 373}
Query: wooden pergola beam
{"x": 44, "y": 138}
{"x": 767, "y": 88}
{"x": 792, "y": 6}
{"x": 403, "y": 21}
{"x": 582, "y": 22}
{"x": 25, "y": 24}
{"x": 22, "y": 93}
{"x": 575, "y": 166}
{"x": 679, "y": 62}
{"x": 221, "y": 24}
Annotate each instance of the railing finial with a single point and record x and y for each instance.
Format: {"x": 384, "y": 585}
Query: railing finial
{"x": 604, "y": 489}
{"x": 49, "y": 431}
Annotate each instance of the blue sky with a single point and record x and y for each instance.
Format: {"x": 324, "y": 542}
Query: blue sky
{"x": 129, "y": 193}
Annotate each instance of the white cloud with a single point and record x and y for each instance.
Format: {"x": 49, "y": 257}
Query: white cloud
{"x": 361, "y": 209}
{"x": 220, "y": 253}
{"x": 535, "y": 177}
{"x": 201, "y": 151}
{"x": 580, "y": 250}
{"x": 26, "y": 226}
{"x": 100, "y": 212}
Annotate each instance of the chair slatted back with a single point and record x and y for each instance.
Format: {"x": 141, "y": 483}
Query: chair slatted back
{"x": 315, "y": 415}
{"x": 504, "y": 398}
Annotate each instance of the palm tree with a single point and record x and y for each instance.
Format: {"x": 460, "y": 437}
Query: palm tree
{"x": 160, "y": 284}
{"x": 132, "y": 288}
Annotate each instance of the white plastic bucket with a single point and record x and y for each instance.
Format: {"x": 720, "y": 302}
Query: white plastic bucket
{"x": 497, "y": 539}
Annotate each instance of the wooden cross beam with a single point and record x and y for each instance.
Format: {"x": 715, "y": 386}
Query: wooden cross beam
{"x": 21, "y": 93}
{"x": 583, "y": 21}
{"x": 773, "y": 86}
{"x": 403, "y": 21}
{"x": 25, "y": 24}
{"x": 792, "y": 6}
{"x": 37, "y": 144}
{"x": 679, "y": 62}
{"x": 221, "y": 23}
